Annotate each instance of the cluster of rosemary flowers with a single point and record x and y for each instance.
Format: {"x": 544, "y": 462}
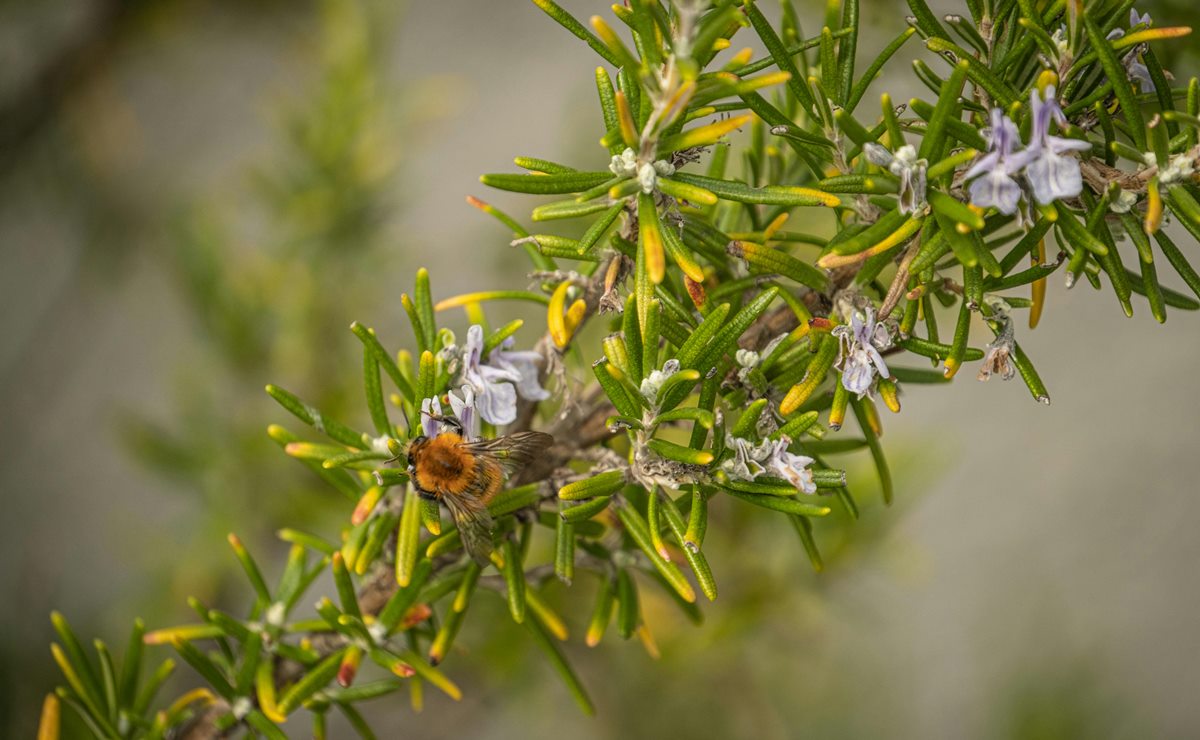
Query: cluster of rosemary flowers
{"x": 723, "y": 349}
{"x": 1050, "y": 171}
{"x": 490, "y": 389}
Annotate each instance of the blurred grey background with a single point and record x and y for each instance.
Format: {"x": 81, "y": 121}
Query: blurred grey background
{"x": 169, "y": 167}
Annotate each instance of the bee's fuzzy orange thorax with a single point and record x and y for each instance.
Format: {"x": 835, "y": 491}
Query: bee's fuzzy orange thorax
{"x": 444, "y": 465}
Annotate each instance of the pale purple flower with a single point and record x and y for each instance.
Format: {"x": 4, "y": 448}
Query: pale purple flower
{"x": 904, "y": 165}
{"x": 1051, "y": 172}
{"x": 525, "y": 364}
{"x": 769, "y": 457}
{"x": 1134, "y": 68}
{"x": 433, "y": 422}
{"x": 430, "y": 407}
{"x": 464, "y": 410}
{"x": 495, "y": 386}
{"x": 431, "y": 412}
{"x": 1139, "y": 73}
{"x": 1135, "y": 20}
{"x": 994, "y": 185}
{"x": 859, "y": 358}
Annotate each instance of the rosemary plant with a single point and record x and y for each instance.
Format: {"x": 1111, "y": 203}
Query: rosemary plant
{"x": 736, "y": 346}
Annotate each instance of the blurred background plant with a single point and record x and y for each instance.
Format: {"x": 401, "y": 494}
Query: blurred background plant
{"x": 268, "y": 266}
{"x": 262, "y": 259}
{"x": 224, "y": 252}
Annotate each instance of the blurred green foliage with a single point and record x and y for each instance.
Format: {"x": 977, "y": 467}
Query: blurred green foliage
{"x": 270, "y": 268}
{"x": 262, "y": 263}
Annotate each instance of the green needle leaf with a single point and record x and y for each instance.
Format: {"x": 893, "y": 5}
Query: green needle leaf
{"x": 332, "y": 428}
{"x": 804, "y": 529}
{"x": 514, "y": 580}
{"x": 371, "y": 343}
{"x": 679, "y": 453}
{"x": 636, "y": 526}
{"x": 881, "y": 466}
{"x": 207, "y": 669}
{"x": 565, "y": 182}
{"x": 564, "y": 548}
{"x": 779, "y": 54}
{"x": 773, "y": 261}
{"x": 312, "y": 682}
{"x": 860, "y": 87}
{"x": 584, "y": 511}
{"x": 131, "y": 665}
{"x": 1115, "y": 74}
{"x": 628, "y": 613}
{"x": 933, "y": 143}
{"x": 776, "y": 195}
{"x": 408, "y": 538}
{"x": 926, "y": 20}
{"x": 545, "y": 641}
{"x": 788, "y": 505}
{"x": 691, "y": 547}
{"x": 604, "y": 484}
{"x": 569, "y": 22}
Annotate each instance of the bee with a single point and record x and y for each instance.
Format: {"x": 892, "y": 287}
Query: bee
{"x": 466, "y": 474}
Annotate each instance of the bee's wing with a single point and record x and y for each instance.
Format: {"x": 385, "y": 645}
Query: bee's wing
{"x": 474, "y": 523}
{"x": 512, "y": 451}
{"x": 495, "y": 457}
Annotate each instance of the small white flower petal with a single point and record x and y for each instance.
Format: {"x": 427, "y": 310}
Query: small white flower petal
{"x": 1124, "y": 202}
{"x": 877, "y": 154}
{"x": 647, "y": 178}
{"x": 877, "y": 361}
{"x": 473, "y": 351}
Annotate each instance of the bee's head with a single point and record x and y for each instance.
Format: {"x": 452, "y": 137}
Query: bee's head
{"x": 415, "y": 446}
